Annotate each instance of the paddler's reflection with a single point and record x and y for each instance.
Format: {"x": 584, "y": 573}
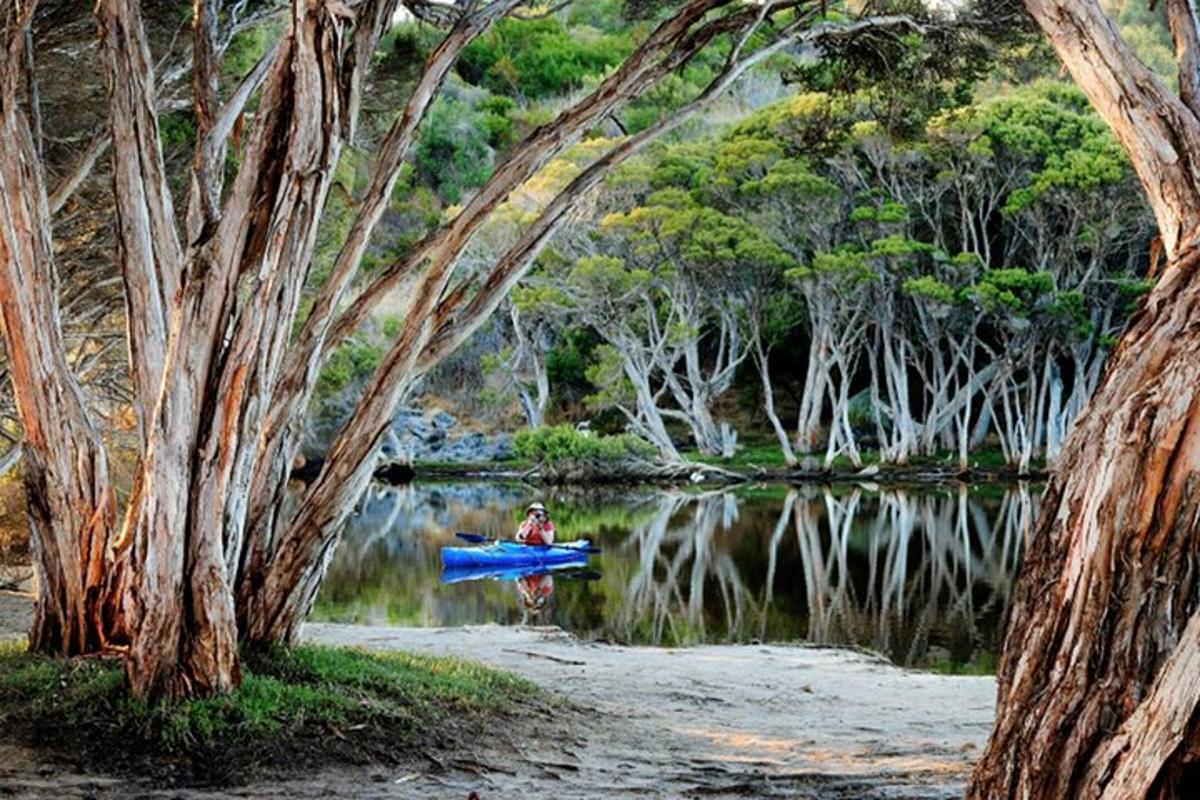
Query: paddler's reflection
{"x": 535, "y": 592}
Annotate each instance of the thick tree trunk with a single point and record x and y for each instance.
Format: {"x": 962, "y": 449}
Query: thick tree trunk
{"x": 230, "y": 324}
{"x": 70, "y": 501}
{"x": 1109, "y": 582}
{"x": 1095, "y": 695}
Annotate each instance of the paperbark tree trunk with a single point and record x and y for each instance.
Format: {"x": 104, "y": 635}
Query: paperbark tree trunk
{"x": 1109, "y": 583}
{"x": 70, "y": 500}
{"x": 1098, "y": 696}
{"x": 242, "y": 277}
{"x": 212, "y": 314}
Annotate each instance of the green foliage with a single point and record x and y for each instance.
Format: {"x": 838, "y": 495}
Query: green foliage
{"x": 453, "y": 153}
{"x": 562, "y": 443}
{"x": 176, "y": 130}
{"x": 540, "y": 58}
{"x": 350, "y": 362}
{"x": 930, "y": 288}
{"x": 1049, "y": 130}
{"x": 392, "y": 327}
{"x": 1013, "y": 290}
{"x": 568, "y": 361}
{"x": 1146, "y": 32}
{"x": 247, "y": 47}
{"x": 498, "y": 121}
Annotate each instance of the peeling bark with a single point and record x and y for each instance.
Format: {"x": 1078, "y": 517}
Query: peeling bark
{"x": 213, "y": 299}
{"x": 1108, "y": 587}
{"x": 70, "y": 500}
{"x": 1097, "y": 693}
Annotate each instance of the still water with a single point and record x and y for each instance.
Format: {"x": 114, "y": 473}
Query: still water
{"x": 923, "y": 576}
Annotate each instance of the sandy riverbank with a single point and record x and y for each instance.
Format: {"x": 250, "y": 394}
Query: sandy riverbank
{"x": 711, "y": 721}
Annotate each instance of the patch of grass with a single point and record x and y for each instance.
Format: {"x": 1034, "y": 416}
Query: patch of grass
{"x": 983, "y": 664}
{"x": 769, "y": 455}
{"x": 296, "y": 707}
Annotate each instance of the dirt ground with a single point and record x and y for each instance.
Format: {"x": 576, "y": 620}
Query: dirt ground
{"x": 712, "y": 721}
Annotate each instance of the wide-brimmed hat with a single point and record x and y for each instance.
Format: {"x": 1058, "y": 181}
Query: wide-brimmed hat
{"x": 535, "y": 507}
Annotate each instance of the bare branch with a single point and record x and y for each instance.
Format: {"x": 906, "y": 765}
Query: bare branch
{"x": 206, "y": 161}
{"x": 227, "y": 117}
{"x": 82, "y": 168}
{"x": 31, "y": 87}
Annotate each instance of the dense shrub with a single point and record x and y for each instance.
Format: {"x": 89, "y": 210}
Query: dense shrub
{"x": 452, "y": 154}
{"x": 536, "y": 59}
{"x": 559, "y": 445}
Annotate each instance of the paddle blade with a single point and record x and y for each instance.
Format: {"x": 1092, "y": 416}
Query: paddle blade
{"x": 474, "y": 538}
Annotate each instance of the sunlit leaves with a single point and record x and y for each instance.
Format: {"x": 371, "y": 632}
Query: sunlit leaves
{"x": 538, "y": 58}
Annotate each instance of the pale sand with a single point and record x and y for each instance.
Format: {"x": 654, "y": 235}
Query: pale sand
{"x": 710, "y": 721}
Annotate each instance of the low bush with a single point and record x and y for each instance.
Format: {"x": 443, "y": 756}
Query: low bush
{"x": 565, "y": 454}
{"x": 564, "y": 443}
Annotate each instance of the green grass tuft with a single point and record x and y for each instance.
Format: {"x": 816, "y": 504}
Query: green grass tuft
{"x": 303, "y": 706}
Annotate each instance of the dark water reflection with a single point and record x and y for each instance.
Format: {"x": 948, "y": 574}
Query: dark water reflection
{"x": 923, "y": 576}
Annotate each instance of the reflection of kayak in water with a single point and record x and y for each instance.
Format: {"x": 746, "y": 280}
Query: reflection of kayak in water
{"x": 507, "y": 555}
{"x": 570, "y": 569}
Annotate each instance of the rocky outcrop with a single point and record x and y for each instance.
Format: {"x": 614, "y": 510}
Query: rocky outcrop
{"x": 435, "y": 435}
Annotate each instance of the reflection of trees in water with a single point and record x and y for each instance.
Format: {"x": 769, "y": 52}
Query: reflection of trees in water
{"x": 893, "y": 570}
{"x": 677, "y": 560}
{"x": 935, "y": 565}
{"x": 919, "y": 575}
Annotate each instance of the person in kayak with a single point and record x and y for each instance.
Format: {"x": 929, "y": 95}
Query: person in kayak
{"x": 537, "y": 527}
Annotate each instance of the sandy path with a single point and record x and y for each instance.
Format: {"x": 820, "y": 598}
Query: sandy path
{"x": 712, "y": 721}
{"x": 16, "y": 612}
{"x": 721, "y": 721}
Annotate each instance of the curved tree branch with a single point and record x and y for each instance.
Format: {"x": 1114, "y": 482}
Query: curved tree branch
{"x": 1159, "y": 130}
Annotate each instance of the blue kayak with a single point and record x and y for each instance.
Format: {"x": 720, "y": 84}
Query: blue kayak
{"x": 514, "y": 554}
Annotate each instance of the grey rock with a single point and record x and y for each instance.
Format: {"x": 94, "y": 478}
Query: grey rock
{"x": 435, "y": 435}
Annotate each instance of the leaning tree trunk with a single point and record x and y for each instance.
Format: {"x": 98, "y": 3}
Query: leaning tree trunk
{"x": 70, "y": 500}
{"x": 1097, "y": 689}
{"x": 1109, "y": 582}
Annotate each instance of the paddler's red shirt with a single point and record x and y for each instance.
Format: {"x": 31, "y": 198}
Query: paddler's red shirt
{"x": 534, "y": 532}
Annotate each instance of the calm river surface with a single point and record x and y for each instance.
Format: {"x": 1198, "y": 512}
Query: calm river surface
{"x": 922, "y": 575}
